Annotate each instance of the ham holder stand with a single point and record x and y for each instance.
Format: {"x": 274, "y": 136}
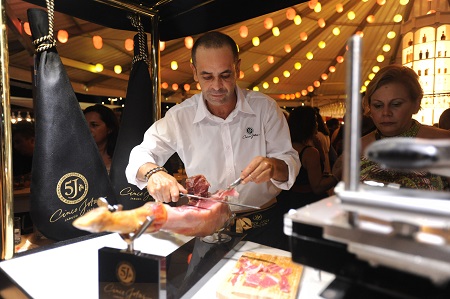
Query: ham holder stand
{"x": 135, "y": 274}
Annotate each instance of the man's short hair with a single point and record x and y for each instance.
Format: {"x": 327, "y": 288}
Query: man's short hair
{"x": 215, "y": 40}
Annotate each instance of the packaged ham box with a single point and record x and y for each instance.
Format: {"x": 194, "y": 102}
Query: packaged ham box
{"x": 262, "y": 276}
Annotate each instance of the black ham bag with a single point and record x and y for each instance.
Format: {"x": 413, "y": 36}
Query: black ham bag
{"x": 68, "y": 173}
{"x": 136, "y": 118}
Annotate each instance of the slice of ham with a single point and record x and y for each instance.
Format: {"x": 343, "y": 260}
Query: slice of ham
{"x": 201, "y": 219}
{"x": 223, "y": 194}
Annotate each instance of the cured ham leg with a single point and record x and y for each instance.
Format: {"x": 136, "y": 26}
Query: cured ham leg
{"x": 201, "y": 220}
{"x": 101, "y": 219}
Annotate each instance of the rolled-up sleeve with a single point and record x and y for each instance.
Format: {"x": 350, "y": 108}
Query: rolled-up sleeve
{"x": 279, "y": 146}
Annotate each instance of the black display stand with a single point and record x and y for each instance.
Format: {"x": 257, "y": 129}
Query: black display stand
{"x": 124, "y": 274}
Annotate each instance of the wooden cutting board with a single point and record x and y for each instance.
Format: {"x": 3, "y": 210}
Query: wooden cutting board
{"x": 261, "y": 276}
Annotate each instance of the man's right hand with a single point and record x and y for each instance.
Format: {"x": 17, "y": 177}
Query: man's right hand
{"x": 164, "y": 187}
{"x": 161, "y": 186}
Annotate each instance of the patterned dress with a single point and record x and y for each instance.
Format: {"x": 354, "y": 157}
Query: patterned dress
{"x": 371, "y": 171}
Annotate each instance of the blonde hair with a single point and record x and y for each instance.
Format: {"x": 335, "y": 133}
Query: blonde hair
{"x": 398, "y": 74}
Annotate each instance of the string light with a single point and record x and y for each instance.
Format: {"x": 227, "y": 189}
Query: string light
{"x": 26, "y": 28}
{"x": 318, "y": 7}
{"x": 174, "y": 65}
{"x": 162, "y": 46}
{"x": 97, "y": 41}
{"x": 255, "y": 41}
{"x": 99, "y": 67}
{"x": 287, "y": 48}
{"x": 321, "y": 22}
{"x": 398, "y": 18}
{"x": 268, "y": 23}
{"x": 351, "y": 15}
{"x": 129, "y": 44}
{"x": 276, "y": 31}
{"x": 290, "y": 13}
{"x": 63, "y": 36}
{"x": 336, "y": 31}
{"x": 117, "y": 69}
{"x": 303, "y": 36}
{"x": 256, "y": 67}
{"x": 188, "y": 42}
{"x": 312, "y": 4}
{"x": 243, "y": 31}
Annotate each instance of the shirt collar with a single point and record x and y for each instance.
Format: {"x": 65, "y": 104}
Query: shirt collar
{"x": 241, "y": 106}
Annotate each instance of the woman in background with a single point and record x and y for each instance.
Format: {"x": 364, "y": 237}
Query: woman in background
{"x": 311, "y": 184}
{"x": 104, "y": 127}
{"x": 392, "y": 97}
{"x": 322, "y": 141}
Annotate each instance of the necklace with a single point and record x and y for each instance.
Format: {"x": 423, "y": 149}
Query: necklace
{"x": 411, "y": 132}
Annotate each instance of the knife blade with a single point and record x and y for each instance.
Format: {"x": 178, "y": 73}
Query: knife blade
{"x": 220, "y": 201}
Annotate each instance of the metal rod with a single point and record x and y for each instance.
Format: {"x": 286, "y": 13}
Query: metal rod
{"x": 155, "y": 67}
{"x": 6, "y": 190}
{"x": 352, "y": 133}
{"x": 133, "y": 7}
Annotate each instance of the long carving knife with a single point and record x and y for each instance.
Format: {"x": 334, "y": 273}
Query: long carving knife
{"x": 220, "y": 201}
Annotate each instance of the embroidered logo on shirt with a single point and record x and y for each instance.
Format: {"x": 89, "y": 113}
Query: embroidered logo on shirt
{"x": 250, "y": 133}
